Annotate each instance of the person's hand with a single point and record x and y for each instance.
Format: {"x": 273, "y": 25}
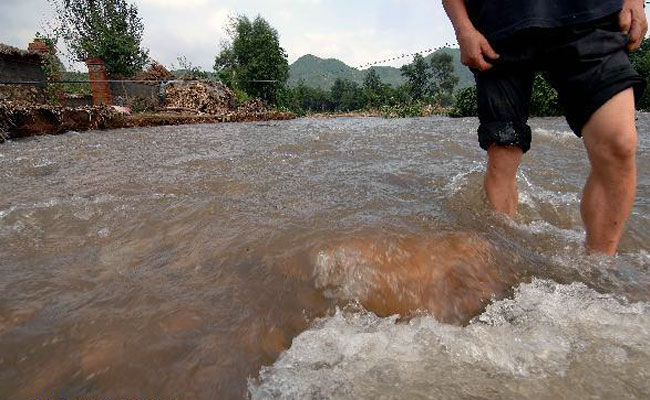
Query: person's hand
{"x": 633, "y": 22}
{"x": 474, "y": 49}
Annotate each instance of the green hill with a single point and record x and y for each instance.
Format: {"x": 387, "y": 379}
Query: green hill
{"x": 321, "y": 73}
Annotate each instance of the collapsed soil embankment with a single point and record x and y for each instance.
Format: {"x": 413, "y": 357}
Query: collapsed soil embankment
{"x": 185, "y": 103}
{"x": 31, "y": 120}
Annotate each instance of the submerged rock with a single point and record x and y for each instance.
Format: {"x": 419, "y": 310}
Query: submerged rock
{"x": 451, "y": 276}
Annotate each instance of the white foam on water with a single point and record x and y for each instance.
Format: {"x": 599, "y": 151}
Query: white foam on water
{"x": 539, "y": 208}
{"x": 534, "y": 195}
{"x": 548, "y": 229}
{"x": 555, "y": 134}
{"x": 4, "y": 213}
{"x": 460, "y": 181}
{"x": 529, "y": 193}
{"x": 643, "y": 257}
{"x": 42, "y": 163}
{"x": 104, "y": 232}
{"x": 548, "y": 341}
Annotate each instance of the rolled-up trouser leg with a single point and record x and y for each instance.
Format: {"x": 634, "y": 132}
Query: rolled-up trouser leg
{"x": 503, "y": 104}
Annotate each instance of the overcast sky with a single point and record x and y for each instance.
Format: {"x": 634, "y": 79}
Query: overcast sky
{"x": 354, "y": 31}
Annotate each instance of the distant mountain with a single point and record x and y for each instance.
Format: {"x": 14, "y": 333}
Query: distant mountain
{"x": 321, "y": 73}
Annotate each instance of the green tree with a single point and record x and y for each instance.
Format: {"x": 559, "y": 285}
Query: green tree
{"x": 641, "y": 62}
{"x": 346, "y": 95}
{"x": 253, "y": 61}
{"x": 372, "y": 81}
{"x": 443, "y": 79}
{"x": 109, "y": 29}
{"x": 375, "y": 92}
{"x": 418, "y": 76}
{"x": 302, "y": 99}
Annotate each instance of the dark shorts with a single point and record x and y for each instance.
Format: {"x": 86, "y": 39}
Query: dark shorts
{"x": 586, "y": 63}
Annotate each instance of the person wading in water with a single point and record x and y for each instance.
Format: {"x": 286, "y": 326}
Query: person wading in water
{"x": 581, "y": 46}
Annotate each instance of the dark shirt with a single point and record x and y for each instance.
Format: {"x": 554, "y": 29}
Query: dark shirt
{"x": 498, "y": 19}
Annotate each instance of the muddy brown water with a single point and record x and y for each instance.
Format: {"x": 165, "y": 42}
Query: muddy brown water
{"x": 235, "y": 260}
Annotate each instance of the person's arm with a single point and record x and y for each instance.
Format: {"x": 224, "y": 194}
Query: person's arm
{"x": 474, "y": 47}
{"x": 633, "y": 22}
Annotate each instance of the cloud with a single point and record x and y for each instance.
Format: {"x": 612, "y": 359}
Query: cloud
{"x": 176, "y": 4}
{"x": 357, "y": 32}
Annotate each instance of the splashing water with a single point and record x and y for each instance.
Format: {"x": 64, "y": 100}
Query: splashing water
{"x": 548, "y": 341}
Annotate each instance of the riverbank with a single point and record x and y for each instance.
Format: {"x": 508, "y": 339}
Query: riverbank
{"x": 26, "y": 121}
{"x": 398, "y": 111}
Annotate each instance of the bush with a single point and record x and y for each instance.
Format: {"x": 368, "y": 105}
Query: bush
{"x": 242, "y": 97}
{"x": 641, "y": 62}
{"x": 401, "y": 111}
{"x": 466, "y": 105}
{"x": 544, "y": 101}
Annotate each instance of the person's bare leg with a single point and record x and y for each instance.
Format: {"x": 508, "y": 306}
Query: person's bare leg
{"x": 501, "y": 178}
{"x": 610, "y": 137}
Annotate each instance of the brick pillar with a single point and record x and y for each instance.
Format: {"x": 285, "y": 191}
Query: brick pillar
{"x": 42, "y": 48}
{"x": 100, "y": 89}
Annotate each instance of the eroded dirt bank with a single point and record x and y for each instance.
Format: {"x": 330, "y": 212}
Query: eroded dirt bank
{"x": 25, "y": 121}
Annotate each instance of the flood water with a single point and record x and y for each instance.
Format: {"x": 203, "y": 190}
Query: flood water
{"x": 266, "y": 260}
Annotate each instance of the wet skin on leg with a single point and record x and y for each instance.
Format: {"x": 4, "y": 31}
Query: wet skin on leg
{"x": 501, "y": 178}
{"x": 610, "y": 138}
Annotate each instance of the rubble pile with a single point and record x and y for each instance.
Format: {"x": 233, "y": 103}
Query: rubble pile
{"x": 156, "y": 72}
{"x": 195, "y": 102}
{"x": 17, "y": 120}
{"x": 5, "y": 122}
{"x": 201, "y": 97}
{"x": 253, "y": 106}
{"x": 24, "y": 94}
{"x": 14, "y": 51}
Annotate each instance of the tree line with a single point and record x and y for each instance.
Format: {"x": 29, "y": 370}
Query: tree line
{"x": 430, "y": 82}
{"x": 254, "y": 64}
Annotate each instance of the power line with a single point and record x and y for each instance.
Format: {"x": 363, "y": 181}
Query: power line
{"x": 400, "y": 57}
{"x": 427, "y": 51}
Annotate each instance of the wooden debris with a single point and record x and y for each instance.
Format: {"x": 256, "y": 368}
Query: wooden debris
{"x": 156, "y": 72}
{"x": 203, "y": 97}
